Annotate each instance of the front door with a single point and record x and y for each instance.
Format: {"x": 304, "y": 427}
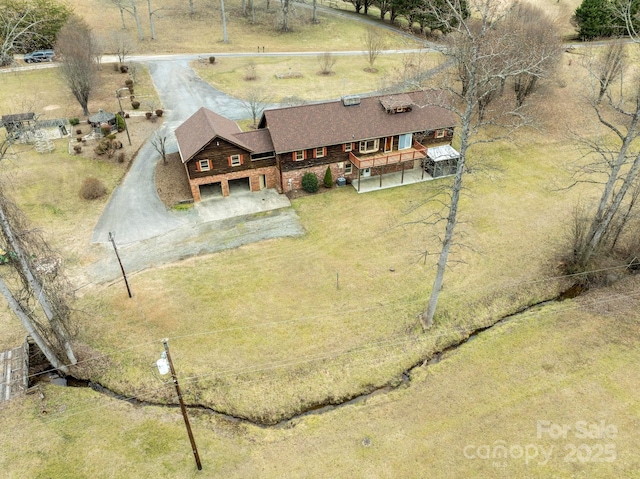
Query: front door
{"x": 263, "y": 182}
{"x": 366, "y": 173}
{"x": 388, "y": 143}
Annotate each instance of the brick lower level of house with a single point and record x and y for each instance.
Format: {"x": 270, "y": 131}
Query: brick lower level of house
{"x": 258, "y": 178}
{"x": 292, "y": 180}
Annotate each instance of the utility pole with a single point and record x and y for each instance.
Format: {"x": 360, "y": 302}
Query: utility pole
{"x": 112, "y": 238}
{"x": 166, "y": 358}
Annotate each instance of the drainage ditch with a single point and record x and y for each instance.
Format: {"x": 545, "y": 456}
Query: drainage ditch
{"x": 319, "y": 408}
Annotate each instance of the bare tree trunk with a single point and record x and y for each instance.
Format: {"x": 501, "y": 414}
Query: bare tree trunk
{"x": 314, "y": 18}
{"x": 609, "y": 203}
{"x": 31, "y": 329}
{"x": 151, "y": 24}
{"x": 225, "y": 39}
{"x": 285, "y": 15}
{"x": 36, "y": 287}
{"x": 452, "y": 218}
{"x": 124, "y": 26}
{"x": 134, "y": 12}
{"x": 191, "y": 9}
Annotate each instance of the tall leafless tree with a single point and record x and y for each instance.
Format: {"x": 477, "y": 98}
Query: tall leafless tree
{"x": 256, "y": 101}
{"x": 479, "y": 49}
{"x": 530, "y": 26}
{"x": 133, "y": 10}
{"x": 616, "y": 158}
{"x": 374, "y": 42}
{"x": 223, "y": 14}
{"x": 121, "y": 5}
{"x": 78, "y": 68}
{"x": 153, "y": 12}
{"x": 285, "y": 6}
{"x": 122, "y": 44}
{"x": 32, "y": 284}
{"x": 608, "y": 67}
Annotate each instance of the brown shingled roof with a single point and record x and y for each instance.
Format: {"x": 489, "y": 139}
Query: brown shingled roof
{"x": 201, "y": 128}
{"x": 258, "y": 141}
{"x": 332, "y": 123}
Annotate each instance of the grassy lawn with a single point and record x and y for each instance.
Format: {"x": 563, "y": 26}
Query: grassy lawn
{"x": 205, "y": 29}
{"x": 262, "y": 331}
{"x": 569, "y": 362}
{"x": 265, "y": 330}
{"x": 348, "y": 75}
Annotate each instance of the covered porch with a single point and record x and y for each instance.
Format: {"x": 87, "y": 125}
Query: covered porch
{"x": 390, "y": 169}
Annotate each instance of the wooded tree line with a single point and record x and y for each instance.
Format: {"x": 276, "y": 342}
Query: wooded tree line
{"x": 607, "y": 18}
{"x": 428, "y": 14}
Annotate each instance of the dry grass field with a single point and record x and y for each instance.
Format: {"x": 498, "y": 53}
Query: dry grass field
{"x": 566, "y": 363}
{"x": 348, "y": 75}
{"x": 264, "y": 331}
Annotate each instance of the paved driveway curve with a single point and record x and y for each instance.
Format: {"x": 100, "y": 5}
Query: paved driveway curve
{"x": 135, "y": 212}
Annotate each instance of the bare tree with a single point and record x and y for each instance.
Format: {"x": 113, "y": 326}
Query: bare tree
{"x": 99, "y": 46}
{"x": 608, "y": 67}
{"x": 286, "y": 7}
{"x": 159, "y": 142}
{"x": 327, "y": 60}
{"x": 152, "y": 13}
{"x": 133, "y": 10}
{"x": 78, "y": 67}
{"x": 29, "y": 265}
{"x": 617, "y": 158}
{"x": 225, "y": 39}
{"x": 122, "y": 44}
{"x": 531, "y": 26}
{"x": 121, "y": 5}
{"x": 256, "y": 101}
{"x": 374, "y": 43}
{"x": 481, "y": 55}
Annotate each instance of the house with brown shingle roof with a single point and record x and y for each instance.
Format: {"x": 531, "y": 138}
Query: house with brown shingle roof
{"x": 355, "y": 137}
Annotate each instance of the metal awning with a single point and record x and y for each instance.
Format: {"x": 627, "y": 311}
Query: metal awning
{"x": 442, "y": 153}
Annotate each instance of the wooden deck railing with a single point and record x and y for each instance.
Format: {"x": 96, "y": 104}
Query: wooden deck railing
{"x": 391, "y": 158}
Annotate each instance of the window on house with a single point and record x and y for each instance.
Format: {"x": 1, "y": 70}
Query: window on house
{"x": 347, "y": 168}
{"x": 204, "y": 165}
{"x": 440, "y": 133}
{"x": 404, "y": 141}
{"x": 320, "y": 152}
{"x": 235, "y": 160}
{"x": 348, "y": 146}
{"x": 298, "y": 155}
{"x": 368, "y": 146}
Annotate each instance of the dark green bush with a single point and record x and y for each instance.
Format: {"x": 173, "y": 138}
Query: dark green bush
{"x": 328, "y": 178}
{"x": 120, "y": 122}
{"x": 74, "y": 121}
{"x": 310, "y": 183}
